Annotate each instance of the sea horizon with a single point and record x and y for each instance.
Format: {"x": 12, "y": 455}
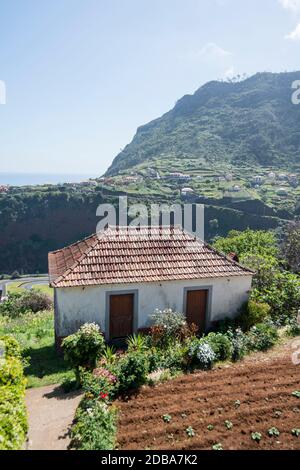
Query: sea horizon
{"x": 25, "y": 179}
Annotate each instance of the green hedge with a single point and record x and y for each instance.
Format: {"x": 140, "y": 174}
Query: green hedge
{"x": 13, "y": 415}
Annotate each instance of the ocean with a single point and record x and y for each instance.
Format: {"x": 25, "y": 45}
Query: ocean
{"x": 24, "y": 179}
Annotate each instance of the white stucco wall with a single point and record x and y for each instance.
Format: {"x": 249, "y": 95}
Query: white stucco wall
{"x": 76, "y": 306}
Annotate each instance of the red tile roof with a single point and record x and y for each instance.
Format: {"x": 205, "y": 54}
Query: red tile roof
{"x": 123, "y": 255}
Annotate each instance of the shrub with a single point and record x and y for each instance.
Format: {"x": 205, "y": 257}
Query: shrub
{"x": 84, "y": 348}
{"x": 201, "y": 354}
{"x": 11, "y": 372}
{"x": 136, "y": 343}
{"x": 132, "y": 371}
{"x": 10, "y": 346}
{"x": 223, "y": 326}
{"x": 96, "y": 385}
{"x": 13, "y": 417}
{"x": 252, "y": 313}
{"x": 239, "y": 343}
{"x": 28, "y": 301}
{"x": 262, "y": 337}
{"x": 187, "y": 331}
{"x": 109, "y": 354}
{"x": 167, "y": 327}
{"x": 94, "y": 427}
{"x": 35, "y": 301}
{"x": 221, "y": 346}
{"x": 10, "y": 307}
{"x": 174, "y": 357}
{"x": 101, "y": 372}
{"x": 155, "y": 359}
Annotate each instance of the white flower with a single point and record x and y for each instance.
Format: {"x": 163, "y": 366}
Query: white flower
{"x": 90, "y": 328}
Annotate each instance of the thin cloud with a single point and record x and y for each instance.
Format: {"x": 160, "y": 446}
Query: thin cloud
{"x": 294, "y": 35}
{"x": 293, "y": 5}
{"x": 213, "y": 50}
{"x": 229, "y": 73}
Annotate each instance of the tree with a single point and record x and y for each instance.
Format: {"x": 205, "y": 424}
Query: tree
{"x": 249, "y": 242}
{"x": 291, "y": 246}
{"x": 265, "y": 268}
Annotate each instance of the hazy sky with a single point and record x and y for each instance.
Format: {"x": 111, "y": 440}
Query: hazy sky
{"x": 82, "y": 75}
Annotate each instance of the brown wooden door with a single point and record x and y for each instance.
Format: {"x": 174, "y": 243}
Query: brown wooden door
{"x": 121, "y": 315}
{"x": 196, "y": 307}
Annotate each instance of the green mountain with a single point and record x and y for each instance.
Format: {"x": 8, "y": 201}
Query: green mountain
{"x": 251, "y": 122}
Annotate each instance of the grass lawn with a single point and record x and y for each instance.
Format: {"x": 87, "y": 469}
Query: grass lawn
{"x": 18, "y": 286}
{"x": 35, "y": 332}
{"x": 44, "y": 288}
{"x": 14, "y": 287}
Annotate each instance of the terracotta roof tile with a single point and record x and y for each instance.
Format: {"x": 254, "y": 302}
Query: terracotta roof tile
{"x": 123, "y": 255}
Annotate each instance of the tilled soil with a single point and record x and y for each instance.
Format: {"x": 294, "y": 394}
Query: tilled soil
{"x": 264, "y": 389}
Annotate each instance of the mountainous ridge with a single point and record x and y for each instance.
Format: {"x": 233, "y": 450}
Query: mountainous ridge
{"x": 252, "y": 121}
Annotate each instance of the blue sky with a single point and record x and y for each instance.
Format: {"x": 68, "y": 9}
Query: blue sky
{"x": 82, "y": 75}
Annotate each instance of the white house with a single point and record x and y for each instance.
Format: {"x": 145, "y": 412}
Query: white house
{"x": 187, "y": 192}
{"x": 118, "y": 277}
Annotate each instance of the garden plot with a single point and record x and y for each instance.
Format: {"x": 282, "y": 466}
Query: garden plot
{"x": 225, "y": 408}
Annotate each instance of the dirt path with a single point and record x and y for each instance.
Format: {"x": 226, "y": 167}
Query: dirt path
{"x": 51, "y": 413}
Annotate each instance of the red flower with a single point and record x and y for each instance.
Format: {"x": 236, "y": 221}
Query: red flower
{"x": 103, "y": 395}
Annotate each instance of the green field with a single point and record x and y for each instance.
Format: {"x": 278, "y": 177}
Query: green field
{"x": 35, "y": 333}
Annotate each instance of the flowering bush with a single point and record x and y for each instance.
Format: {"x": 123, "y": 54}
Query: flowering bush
{"x": 84, "y": 348}
{"x": 101, "y": 372}
{"x": 95, "y": 426}
{"x": 94, "y": 386}
{"x": 167, "y": 326}
{"x": 239, "y": 343}
{"x": 201, "y": 354}
{"x": 221, "y": 346}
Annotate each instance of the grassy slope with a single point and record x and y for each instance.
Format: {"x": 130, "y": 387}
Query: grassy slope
{"x": 35, "y": 332}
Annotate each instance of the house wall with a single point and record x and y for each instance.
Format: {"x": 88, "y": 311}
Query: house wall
{"x": 79, "y": 305}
